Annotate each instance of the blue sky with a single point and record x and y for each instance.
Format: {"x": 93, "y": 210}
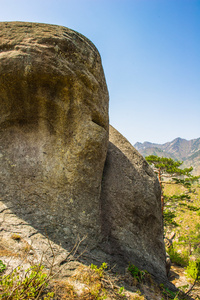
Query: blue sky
{"x": 150, "y": 52}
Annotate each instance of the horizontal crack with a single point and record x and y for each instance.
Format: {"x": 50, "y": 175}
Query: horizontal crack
{"x": 32, "y": 234}
{"x": 6, "y": 209}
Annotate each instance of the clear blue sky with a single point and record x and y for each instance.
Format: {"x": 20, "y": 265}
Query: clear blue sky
{"x": 150, "y": 51}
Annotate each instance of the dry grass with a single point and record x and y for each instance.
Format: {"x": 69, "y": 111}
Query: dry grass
{"x": 173, "y": 189}
{"x": 187, "y": 219}
{"x": 89, "y": 284}
{"x": 8, "y": 253}
{"x": 86, "y": 283}
{"x": 63, "y": 290}
{"x": 96, "y": 284}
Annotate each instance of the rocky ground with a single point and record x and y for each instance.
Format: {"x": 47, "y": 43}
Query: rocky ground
{"x": 180, "y": 280}
{"x": 22, "y": 246}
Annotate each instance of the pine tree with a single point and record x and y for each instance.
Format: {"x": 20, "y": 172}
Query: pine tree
{"x": 169, "y": 168}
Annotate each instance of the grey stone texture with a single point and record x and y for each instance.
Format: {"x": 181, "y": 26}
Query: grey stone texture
{"x": 53, "y": 128}
{"x": 57, "y": 171}
{"x": 131, "y": 207}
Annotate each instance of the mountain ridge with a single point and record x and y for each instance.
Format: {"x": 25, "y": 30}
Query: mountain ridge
{"x": 187, "y": 151}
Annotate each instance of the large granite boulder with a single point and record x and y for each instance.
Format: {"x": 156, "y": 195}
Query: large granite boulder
{"x": 53, "y": 129}
{"x": 131, "y": 208}
{"x": 54, "y": 173}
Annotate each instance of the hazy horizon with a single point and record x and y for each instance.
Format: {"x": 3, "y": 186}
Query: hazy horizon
{"x": 167, "y": 141}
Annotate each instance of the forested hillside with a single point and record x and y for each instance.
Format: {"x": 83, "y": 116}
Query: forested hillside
{"x": 180, "y": 201}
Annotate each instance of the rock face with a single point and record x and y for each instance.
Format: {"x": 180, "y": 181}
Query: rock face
{"x": 131, "y": 208}
{"x": 53, "y": 147}
{"x": 53, "y": 128}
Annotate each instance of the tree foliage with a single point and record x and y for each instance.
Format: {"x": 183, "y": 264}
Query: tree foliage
{"x": 168, "y": 167}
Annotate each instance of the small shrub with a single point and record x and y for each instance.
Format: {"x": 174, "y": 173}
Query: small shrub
{"x": 169, "y": 218}
{"x": 2, "y": 266}
{"x": 180, "y": 197}
{"x": 182, "y": 204}
{"x": 193, "y": 208}
{"x": 193, "y": 269}
{"x": 100, "y": 270}
{"x": 177, "y": 258}
{"x": 136, "y": 273}
{"x": 121, "y": 291}
{"x": 168, "y": 292}
{"x": 96, "y": 280}
{"x": 30, "y": 285}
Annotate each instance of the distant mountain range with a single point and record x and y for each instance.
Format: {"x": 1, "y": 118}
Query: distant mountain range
{"x": 178, "y": 149}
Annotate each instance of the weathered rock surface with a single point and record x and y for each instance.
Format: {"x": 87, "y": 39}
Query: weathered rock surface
{"x": 53, "y": 128}
{"x": 53, "y": 147}
{"x": 131, "y": 208}
{"x": 21, "y": 245}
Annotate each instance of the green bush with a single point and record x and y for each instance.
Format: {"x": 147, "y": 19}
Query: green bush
{"x": 180, "y": 197}
{"x": 19, "y": 286}
{"x": 167, "y": 292}
{"x": 2, "y": 266}
{"x": 99, "y": 270}
{"x": 193, "y": 208}
{"x": 136, "y": 273}
{"x": 169, "y": 218}
{"x": 177, "y": 258}
{"x": 193, "y": 269}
